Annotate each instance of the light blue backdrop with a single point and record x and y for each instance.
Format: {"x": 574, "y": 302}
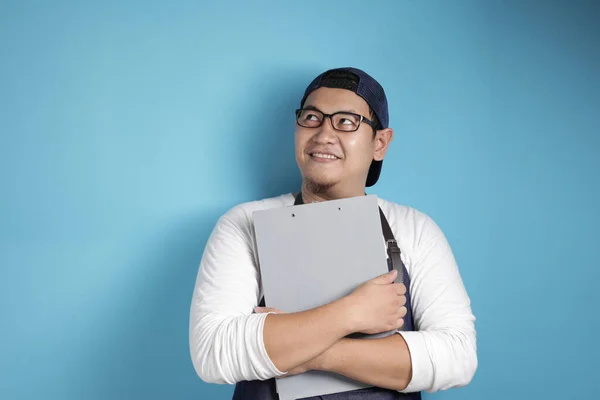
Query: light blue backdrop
{"x": 128, "y": 128}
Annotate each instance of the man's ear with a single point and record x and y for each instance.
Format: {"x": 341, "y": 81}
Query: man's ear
{"x": 383, "y": 138}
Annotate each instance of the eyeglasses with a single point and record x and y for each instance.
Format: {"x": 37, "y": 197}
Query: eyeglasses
{"x": 340, "y": 121}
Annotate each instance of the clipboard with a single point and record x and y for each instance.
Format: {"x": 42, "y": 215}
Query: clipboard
{"x": 312, "y": 254}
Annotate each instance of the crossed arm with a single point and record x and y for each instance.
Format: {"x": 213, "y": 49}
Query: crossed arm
{"x": 316, "y": 339}
{"x": 229, "y": 342}
{"x": 383, "y": 362}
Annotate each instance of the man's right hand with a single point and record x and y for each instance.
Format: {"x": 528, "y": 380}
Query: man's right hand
{"x": 378, "y": 305}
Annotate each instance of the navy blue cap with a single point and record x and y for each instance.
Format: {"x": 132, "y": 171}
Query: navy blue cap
{"x": 365, "y": 86}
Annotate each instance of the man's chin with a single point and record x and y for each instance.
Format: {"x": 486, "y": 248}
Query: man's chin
{"x": 319, "y": 185}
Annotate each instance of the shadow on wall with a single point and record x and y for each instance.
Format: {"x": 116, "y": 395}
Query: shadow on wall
{"x": 268, "y": 140}
{"x": 144, "y": 350}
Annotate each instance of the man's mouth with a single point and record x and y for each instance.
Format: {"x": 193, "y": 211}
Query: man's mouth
{"x": 324, "y": 156}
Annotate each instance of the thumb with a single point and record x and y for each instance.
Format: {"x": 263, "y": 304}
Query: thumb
{"x": 388, "y": 277}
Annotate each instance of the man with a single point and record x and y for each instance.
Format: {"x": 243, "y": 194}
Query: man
{"x": 341, "y": 138}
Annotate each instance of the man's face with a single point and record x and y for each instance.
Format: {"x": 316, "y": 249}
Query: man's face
{"x": 327, "y": 157}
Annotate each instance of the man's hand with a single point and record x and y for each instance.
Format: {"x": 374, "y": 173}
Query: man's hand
{"x": 294, "y": 341}
{"x": 378, "y": 305}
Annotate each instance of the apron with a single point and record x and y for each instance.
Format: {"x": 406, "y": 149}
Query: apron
{"x": 266, "y": 390}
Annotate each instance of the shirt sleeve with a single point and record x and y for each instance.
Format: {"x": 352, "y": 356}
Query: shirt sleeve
{"x": 226, "y": 337}
{"x": 443, "y": 350}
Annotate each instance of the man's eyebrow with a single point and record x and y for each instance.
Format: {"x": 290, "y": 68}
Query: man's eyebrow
{"x": 348, "y": 110}
{"x": 309, "y": 107}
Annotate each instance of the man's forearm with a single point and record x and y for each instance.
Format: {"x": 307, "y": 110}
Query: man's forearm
{"x": 383, "y": 362}
{"x": 295, "y": 338}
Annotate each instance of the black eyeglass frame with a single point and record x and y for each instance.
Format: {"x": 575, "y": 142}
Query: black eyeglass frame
{"x": 330, "y": 116}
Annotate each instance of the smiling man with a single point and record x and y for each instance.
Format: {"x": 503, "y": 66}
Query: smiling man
{"x": 341, "y": 138}
{"x": 335, "y": 160}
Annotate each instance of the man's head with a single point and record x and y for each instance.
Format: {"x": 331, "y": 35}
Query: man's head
{"x": 342, "y": 131}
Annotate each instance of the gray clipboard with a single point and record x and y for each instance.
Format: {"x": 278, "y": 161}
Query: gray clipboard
{"x": 312, "y": 254}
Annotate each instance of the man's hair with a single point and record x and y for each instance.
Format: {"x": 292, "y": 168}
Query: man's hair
{"x": 347, "y": 80}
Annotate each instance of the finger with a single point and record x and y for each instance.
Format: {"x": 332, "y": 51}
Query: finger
{"x": 402, "y": 300}
{"x": 401, "y": 289}
{"x": 400, "y": 323}
{"x": 388, "y": 277}
{"x": 403, "y": 312}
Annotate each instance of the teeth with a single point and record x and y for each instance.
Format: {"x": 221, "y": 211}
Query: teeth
{"x": 321, "y": 155}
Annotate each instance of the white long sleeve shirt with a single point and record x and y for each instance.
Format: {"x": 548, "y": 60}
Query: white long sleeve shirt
{"x": 226, "y": 337}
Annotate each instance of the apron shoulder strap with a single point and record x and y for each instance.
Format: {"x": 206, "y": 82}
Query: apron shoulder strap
{"x": 385, "y": 227}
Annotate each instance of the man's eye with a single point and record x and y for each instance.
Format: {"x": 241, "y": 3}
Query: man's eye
{"x": 348, "y": 122}
{"x": 311, "y": 117}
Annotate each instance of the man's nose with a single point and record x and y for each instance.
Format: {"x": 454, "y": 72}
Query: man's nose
{"x": 325, "y": 133}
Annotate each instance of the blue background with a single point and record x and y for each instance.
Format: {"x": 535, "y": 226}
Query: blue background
{"x": 128, "y": 128}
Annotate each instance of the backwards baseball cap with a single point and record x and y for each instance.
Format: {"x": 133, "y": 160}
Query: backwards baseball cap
{"x": 365, "y": 86}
